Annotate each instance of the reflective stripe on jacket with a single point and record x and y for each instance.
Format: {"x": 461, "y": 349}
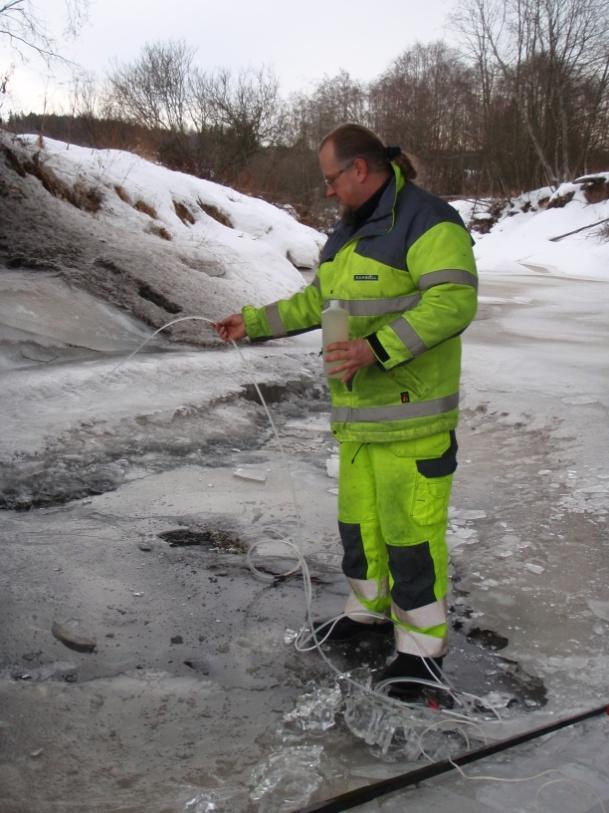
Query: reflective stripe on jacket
{"x": 408, "y": 279}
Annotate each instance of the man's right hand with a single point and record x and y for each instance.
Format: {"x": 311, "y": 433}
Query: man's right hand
{"x": 231, "y": 329}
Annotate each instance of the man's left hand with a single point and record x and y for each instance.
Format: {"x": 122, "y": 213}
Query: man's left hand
{"x": 353, "y": 355}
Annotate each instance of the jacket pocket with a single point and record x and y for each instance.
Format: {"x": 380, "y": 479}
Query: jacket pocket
{"x": 430, "y": 499}
{"x": 433, "y": 485}
{"x": 405, "y": 379}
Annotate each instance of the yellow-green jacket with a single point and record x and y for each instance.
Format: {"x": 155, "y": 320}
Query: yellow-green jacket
{"x": 408, "y": 279}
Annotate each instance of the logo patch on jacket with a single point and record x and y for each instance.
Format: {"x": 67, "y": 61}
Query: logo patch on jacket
{"x": 405, "y": 396}
{"x": 365, "y": 277}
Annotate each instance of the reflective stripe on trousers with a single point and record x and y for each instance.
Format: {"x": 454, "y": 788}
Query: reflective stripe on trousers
{"x": 393, "y": 512}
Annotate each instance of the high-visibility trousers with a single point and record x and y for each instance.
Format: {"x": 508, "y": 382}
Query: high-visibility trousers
{"x": 392, "y": 516}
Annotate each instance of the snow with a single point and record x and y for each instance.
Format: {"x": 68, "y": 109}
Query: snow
{"x": 529, "y": 238}
{"x": 169, "y": 436}
{"x": 252, "y": 219}
{"x": 133, "y": 252}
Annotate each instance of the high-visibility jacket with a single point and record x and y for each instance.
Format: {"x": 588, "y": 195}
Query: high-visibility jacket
{"x": 408, "y": 279}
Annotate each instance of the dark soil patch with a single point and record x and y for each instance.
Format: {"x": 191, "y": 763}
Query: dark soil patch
{"x": 159, "y": 231}
{"x": 184, "y": 213}
{"x": 215, "y": 213}
{"x": 109, "y": 265}
{"x": 596, "y": 190}
{"x": 145, "y": 208}
{"x": 305, "y": 394}
{"x": 157, "y": 298}
{"x": 560, "y": 201}
{"x": 215, "y": 539}
{"x": 488, "y": 639}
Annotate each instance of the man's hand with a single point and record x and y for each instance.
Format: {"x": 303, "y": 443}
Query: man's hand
{"x": 353, "y": 355}
{"x": 231, "y": 329}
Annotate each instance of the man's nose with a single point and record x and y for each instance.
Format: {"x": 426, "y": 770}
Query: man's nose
{"x": 330, "y": 193}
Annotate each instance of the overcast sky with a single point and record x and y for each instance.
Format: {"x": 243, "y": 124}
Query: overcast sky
{"x": 301, "y": 42}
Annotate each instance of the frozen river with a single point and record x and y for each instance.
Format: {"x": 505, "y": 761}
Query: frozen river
{"x": 146, "y": 485}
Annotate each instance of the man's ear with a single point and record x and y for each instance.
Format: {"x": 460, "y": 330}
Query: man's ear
{"x": 361, "y": 169}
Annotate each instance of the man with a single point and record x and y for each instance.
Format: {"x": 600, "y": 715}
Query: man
{"x": 401, "y": 262}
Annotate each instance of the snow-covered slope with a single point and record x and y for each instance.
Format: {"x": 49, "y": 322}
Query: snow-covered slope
{"x": 189, "y": 209}
{"x": 559, "y": 232}
{"x": 136, "y": 237}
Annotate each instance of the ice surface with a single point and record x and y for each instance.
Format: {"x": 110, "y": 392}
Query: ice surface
{"x": 470, "y": 514}
{"x": 315, "y": 424}
{"x": 34, "y": 327}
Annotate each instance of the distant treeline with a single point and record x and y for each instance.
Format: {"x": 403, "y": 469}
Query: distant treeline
{"x": 524, "y": 103}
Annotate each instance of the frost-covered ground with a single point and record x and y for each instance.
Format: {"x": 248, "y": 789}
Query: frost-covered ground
{"x": 147, "y": 480}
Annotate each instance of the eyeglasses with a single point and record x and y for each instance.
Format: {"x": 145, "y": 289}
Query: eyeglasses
{"x": 330, "y": 180}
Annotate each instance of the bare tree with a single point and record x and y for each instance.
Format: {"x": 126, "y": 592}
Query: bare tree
{"x": 26, "y": 34}
{"x": 209, "y": 123}
{"x": 247, "y": 103}
{"x": 235, "y": 116}
{"x": 425, "y": 102}
{"x": 26, "y": 31}
{"x": 154, "y": 90}
{"x": 335, "y": 100}
{"x": 84, "y": 95}
{"x": 549, "y": 59}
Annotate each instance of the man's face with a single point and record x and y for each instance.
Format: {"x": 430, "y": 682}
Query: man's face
{"x": 341, "y": 180}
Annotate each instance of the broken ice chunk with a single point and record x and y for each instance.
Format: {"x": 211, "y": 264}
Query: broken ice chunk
{"x": 71, "y": 634}
{"x": 497, "y": 700}
{"x": 250, "y": 474}
{"x": 472, "y": 514}
{"x": 292, "y": 773}
{"x": 289, "y": 636}
{"x": 533, "y": 568}
{"x": 315, "y": 711}
{"x": 332, "y": 466}
{"x": 599, "y": 608}
{"x": 460, "y": 536}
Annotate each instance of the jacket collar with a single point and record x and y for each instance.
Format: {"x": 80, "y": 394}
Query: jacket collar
{"x": 380, "y": 221}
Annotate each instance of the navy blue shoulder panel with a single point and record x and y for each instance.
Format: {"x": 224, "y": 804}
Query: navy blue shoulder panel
{"x": 416, "y": 212}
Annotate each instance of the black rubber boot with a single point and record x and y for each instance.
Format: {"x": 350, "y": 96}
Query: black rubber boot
{"x": 346, "y": 629}
{"x": 411, "y": 666}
